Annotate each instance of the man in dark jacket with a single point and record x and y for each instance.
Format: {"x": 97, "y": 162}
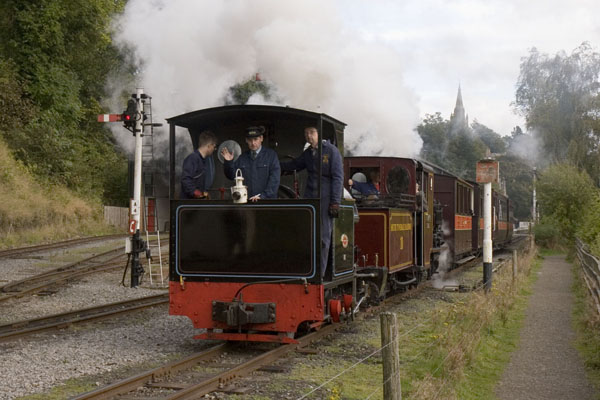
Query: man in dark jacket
{"x": 259, "y": 165}
{"x": 367, "y": 188}
{"x": 332, "y": 176}
{"x": 199, "y": 168}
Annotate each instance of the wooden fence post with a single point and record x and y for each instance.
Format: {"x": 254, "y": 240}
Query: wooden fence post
{"x": 515, "y": 265}
{"x": 391, "y": 359}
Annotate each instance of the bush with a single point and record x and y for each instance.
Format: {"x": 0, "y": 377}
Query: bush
{"x": 547, "y": 233}
{"x": 564, "y": 194}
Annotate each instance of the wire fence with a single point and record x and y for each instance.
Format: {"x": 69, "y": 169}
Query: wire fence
{"x": 424, "y": 388}
{"x": 591, "y": 270}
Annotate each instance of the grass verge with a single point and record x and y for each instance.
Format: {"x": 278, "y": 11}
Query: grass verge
{"x": 452, "y": 345}
{"x": 586, "y": 322}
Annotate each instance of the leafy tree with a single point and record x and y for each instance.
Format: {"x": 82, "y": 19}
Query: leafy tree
{"x": 492, "y": 140}
{"x": 564, "y": 192}
{"x": 61, "y": 52}
{"x": 519, "y": 184}
{"x": 559, "y": 98}
{"x": 434, "y": 133}
{"x": 464, "y": 150}
{"x": 240, "y": 93}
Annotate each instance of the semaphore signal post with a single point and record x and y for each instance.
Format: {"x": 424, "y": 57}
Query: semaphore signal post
{"x": 133, "y": 119}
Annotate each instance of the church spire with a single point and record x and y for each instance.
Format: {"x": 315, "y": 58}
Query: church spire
{"x": 458, "y": 119}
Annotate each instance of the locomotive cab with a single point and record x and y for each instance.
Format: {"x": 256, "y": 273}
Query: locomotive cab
{"x": 394, "y": 235}
{"x": 252, "y": 271}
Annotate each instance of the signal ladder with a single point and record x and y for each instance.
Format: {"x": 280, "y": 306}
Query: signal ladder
{"x": 155, "y": 264}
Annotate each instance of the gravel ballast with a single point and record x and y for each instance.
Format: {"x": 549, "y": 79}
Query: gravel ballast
{"x": 38, "y": 363}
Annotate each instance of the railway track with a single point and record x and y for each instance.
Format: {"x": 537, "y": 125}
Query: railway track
{"x": 176, "y": 381}
{"x": 106, "y": 261}
{"x": 50, "y": 246}
{"x": 59, "y": 321}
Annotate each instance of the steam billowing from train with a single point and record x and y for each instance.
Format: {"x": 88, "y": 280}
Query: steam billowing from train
{"x": 191, "y": 51}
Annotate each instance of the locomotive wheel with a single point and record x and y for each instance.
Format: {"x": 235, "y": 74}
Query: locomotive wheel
{"x": 335, "y": 309}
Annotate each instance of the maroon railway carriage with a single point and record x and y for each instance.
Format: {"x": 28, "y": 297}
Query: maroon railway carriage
{"x": 251, "y": 272}
{"x": 395, "y": 231}
{"x": 457, "y": 199}
{"x": 502, "y": 217}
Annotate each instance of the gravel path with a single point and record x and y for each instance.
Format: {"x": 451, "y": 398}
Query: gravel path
{"x": 546, "y": 365}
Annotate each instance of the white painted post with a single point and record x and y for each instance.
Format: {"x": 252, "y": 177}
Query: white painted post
{"x": 487, "y": 236}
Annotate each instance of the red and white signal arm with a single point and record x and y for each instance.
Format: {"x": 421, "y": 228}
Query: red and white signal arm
{"x": 132, "y": 226}
{"x": 345, "y": 240}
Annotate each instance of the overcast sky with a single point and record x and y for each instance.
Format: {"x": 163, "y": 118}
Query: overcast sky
{"x": 377, "y": 65}
{"x": 476, "y": 43}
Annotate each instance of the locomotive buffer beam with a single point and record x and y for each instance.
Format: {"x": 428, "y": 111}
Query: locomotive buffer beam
{"x": 238, "y": 313}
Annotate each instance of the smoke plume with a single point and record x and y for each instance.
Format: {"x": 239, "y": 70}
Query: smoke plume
{"x": 191, "y": 51}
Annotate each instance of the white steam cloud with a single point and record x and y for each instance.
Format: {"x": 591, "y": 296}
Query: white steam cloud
{"x": 191, "y": 51}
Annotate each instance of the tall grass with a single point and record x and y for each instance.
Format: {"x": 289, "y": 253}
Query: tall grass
{"x": 32, "y": 212}
{"x": 474, "y": 338}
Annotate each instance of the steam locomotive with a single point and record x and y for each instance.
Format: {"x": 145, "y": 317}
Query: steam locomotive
{"x": 251, "y": 272}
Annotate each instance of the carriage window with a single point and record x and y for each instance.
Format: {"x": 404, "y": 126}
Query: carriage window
{"x": 398, "y": 180}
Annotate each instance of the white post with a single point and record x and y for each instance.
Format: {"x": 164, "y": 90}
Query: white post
{"x": 534, "y": 208}
{"x": 487, "y": 236}
{"x": 137, "y": 174}
{"x": 137, "y": 244}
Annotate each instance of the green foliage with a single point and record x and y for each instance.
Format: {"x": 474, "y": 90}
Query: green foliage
{"x": 547, "y": 233}
{"x": 464, "y": 150}
{"x": 492, "y": 140}
{"x": 558, "y": 96}
{"x": 564, "y": 193}
{"x": 241, "y": 92}
{"x": 519, "y": 184}
{"x": 434, "y": 132}
{"x": 54, "y": 59}
{"x": 589, "y": 230}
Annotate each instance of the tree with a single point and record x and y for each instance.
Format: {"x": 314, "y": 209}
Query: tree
{"x": 518, "y": 176}
{"x": 492, "y": 140}
{"x": 434, "y": 133}
{"x": 240, "y": 93}
{"x": 564, "y": 193}
{"x": 61, "y": 52}
{"x": 559, "y": 98}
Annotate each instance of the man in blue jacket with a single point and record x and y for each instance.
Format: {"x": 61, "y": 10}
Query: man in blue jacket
{"x": 332, "y": 177}
{"x": 259, "y": 165}
{"x": 367, "y": 188}
{"x": 199, "y": 168}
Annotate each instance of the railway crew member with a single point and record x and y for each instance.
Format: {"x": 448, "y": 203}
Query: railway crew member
{"x": 332, "y": 183}
{"x": 259, "y": 165}
{"x": 199, "y": 168}
{"x": 367, "y": 188}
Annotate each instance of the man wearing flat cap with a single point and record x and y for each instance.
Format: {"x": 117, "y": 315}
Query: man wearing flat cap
{"x": 259, "y": 165}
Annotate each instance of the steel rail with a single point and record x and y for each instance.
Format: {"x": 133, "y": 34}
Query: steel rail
{"x": 56, "y": 245}
{"x": 132, "y": 383}
{"x": 33, "y": 284}
{"x": 59, "y": 321}
{"x": 225, "y": 377}
{"x": 109, "y": 260}
{"x": 210, "y": 384}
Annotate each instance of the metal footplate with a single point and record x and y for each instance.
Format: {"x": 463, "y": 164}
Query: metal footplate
{"x": 238, "y": 313}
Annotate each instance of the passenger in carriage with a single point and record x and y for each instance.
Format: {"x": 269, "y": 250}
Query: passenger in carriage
{"x": 367, "y": 188}
{"x": 332, "y": 183}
